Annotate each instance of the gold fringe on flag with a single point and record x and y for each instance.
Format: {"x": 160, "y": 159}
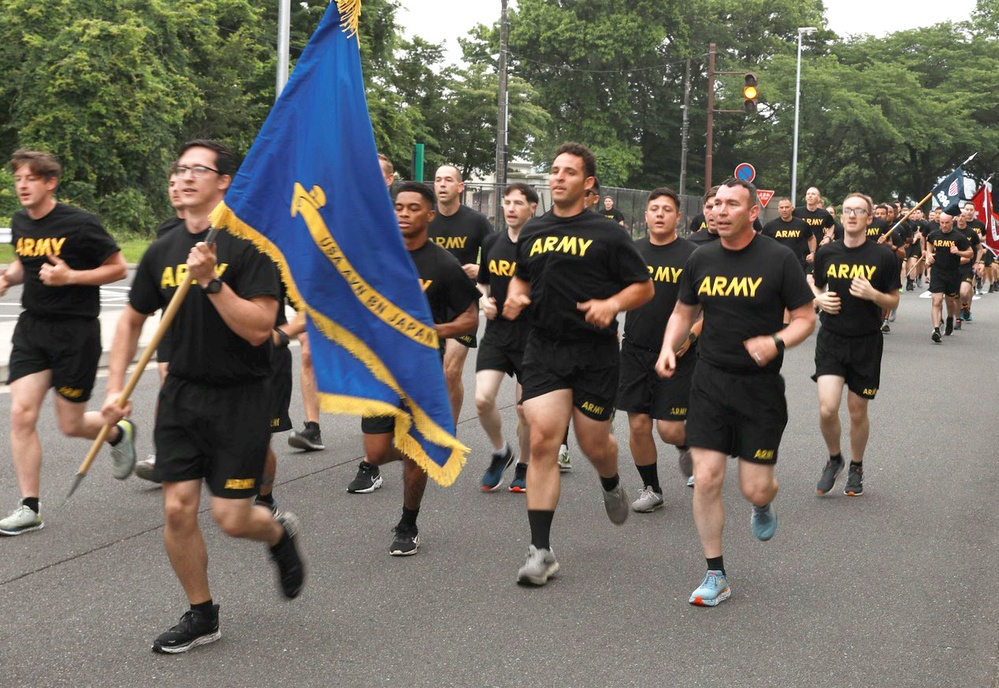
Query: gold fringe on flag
{"x": 350, "y": 14}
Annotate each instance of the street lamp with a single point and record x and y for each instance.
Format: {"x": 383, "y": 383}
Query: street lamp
{"x": 797, "y": 99}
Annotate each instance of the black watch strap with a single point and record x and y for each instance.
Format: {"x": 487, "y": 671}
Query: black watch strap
{"x": 213, "y": 287}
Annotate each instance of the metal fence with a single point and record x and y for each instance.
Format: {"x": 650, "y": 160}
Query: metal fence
{"x": 630, "y": 202}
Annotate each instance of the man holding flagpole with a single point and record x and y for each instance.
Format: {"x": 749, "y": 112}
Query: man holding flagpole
{"x": 214, "y": 406}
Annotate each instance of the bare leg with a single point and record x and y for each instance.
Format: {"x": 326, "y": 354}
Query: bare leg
{"x": 455, "y": 354}
{"x": 548, "y": 416}
{"x": 487, "y": 384}
{"x": 830, "y": 388}
{"x": 709, "y": 510}
{"x": 26, "y": 397}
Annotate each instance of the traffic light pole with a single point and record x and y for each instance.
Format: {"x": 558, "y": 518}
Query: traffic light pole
{"x": 712, "y": 73}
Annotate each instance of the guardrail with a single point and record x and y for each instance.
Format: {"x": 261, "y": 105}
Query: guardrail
{"x": 4, "y": 235}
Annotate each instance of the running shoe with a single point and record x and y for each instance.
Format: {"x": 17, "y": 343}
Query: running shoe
{"x": 690, "y": 481}
{"x": 764, "y": 522}
{"x": 23, "y": 519}
{"x": 885, "y": 327}
{"x": 829, "y": 475}
{"x": 367, "y": 480}
{"x": 564, "y": 462}
{"x": 123, "y": 453}
{"x": 892, "y": 314}
{"x": 406, "y": 542}
{"x": 616, "y": 504}
{"x": 492, "y": 479}
{"x": 519, "y": 482}
{"x": 957, "y": 324}
{"x": 310, "y": 439}
{"x": 539, "y": 567}
{"x": 648, "y": 501}
{"x": 854, "y": 482}
{"x": 686, "y": 461}
{"x": 194, "y": 629}
{"x": 949, "y": 327}
{"x": 146, "y": 469}
{"x": 936, "y": 335}
{"x": 967, "y": 316}
{"x": 713, "y": 590}
{"x": 291, "y": 569}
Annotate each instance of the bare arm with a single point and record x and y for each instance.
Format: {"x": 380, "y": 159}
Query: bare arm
{"x": 601, "y": 312}
{"x": 677, "y": 330}
{"x": 518, "y": 297}
{"x": 863, "y": 289}
{"x": 14, "y": 274}
{"x": 763, "y": 349}
{"x": 466, "y": 323}
{"x": 123, "y": 347}
{"x": 57, "y": 273}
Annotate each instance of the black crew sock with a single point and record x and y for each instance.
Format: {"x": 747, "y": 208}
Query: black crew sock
{"x": 611, "y": 482}
{"x": 682, "y": 447}
{"x": 206, "y": 609}
{"x": 309, "y": 425}
{"x": 716, "y": 564}
{"x": 266, "y": 499}
{"x": 650, "y": 477}
{"x": 31, "y": 503}
{"x": 409, "y": 517}
{"x": 541, "y": 527}
{"x": 761, "y": 509}
{"x": 116, "y": 440}
{"x": 858, "y": 465}
{"x": 370, "y": 467}
{"x": 838, "y": 457}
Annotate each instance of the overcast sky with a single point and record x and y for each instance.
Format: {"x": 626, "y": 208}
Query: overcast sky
{"x": 442, "y": 20}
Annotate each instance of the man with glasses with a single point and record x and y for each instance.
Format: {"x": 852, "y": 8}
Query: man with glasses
{"x": 63, "y": 256}
{"x": 854, "y": 281}
{"x": 213, "y": 422}
{"x": 742, "y": 284}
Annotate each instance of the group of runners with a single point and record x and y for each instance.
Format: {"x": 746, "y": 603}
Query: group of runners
{"x": 707, "y": 320}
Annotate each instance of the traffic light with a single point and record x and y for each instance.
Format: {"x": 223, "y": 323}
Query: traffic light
{"x": 750, "y": 93}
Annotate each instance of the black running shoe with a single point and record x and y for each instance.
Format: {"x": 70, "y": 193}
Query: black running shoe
{"x": 310, "y": 439}
{"x": 367, "y": 480}
{"x": 885, "y": 327}
{"x": 291, "y": 570}
{"x": 406, "y": 542}
{"x": 936, "y": 335}
{"x": 957, "y": 324}
{"x": 949, "y": 327}
{"x": 194, "y": 629}
{"x": 266, "y": 503}
{"x": 855, "y": 482}
{"x": 829, "y": 475}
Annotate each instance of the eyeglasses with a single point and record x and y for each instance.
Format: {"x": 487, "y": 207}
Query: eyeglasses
{"x": 847, "y": 212}
{"x": 196, "y": 171}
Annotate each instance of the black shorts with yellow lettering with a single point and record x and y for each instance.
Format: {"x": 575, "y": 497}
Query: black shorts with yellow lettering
{"x": 69, "y": 347}
{"x": 913, "y": 250}
{"x": 641, "y": 390}
{"x": 855, "y": 359}
{"x": 966, "y": 272}
{"x": 219, "y": 434}
{"x": 502, "y": 348}
{"x": 742, "y": 415}
{"x": 280, "y": 384}
{"x": 469, "y": 340}
{"x": 946, "y": 283}
{"x": 588, "y": 367}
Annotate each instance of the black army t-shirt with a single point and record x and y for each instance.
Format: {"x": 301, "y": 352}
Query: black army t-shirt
{"x": 612, "y": 214}
{"x": 819, "y": 220}
{"x": 203, "y": 348}
{"x": 168, "y": 224}
{"x": 836, "y": 265}
{"x": 794, "y": 234}
{"x": 702, "y": 236}
{"x": 943, "y": 259}
{"x": 446, "y": 286}
{"x": 76, "y": 237}
{"x": 743, "y": 294}
{"x": 499, "y": 261}
{"x": 877, "y": 229}
{"x": 569, "y": 260}
{"x": 645, "y": 325}
{"x": 698, "y": 223}
{"x": 974, "y": 241}
{"x": 461, "y": 234}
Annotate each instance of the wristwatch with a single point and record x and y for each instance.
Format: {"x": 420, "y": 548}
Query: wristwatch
{"x": 213, "y": 287}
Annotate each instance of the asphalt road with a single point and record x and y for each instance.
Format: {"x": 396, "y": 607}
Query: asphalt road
{"x": 890, "y": 589}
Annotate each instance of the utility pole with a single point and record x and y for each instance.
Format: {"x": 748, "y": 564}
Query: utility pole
{"x": 711, "y": 118}
{"x": 503, "y": 118}
{"x": 685, "y": 130}
{"x": 284, "y": 44}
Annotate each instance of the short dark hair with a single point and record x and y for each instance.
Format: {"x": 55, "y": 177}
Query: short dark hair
{"x": 733, "y": 182}
{"x": 529, "y": 193}
{"x": 664, "y": 191}
{"x": 782, "y": 199}
{"x": 579, "y": 150}
{"x": 225, "y": 159}
{"x": 416, "y": 187}
{"x": 710, "y": 193}
{"x": 39, "y": 162}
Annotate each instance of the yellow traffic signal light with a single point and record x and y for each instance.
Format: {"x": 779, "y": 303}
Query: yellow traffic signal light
{"x": 750, "y": 93}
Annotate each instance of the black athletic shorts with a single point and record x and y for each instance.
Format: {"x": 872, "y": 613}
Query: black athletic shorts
{"x": 914, "y": 250}
{"x": 641, "y": 390}
{"x": 378, "y": 425}
{"x": 589, "y": 368}
{"x": 966, "y": 272}
{"x": 500, "y": 352}
{"x": 739, "y": 415}
{"x": 70, "y": 348}
{"x": 855, "y": 359}
{"x": 946, "y": 283}
{"x": 469, "y": 340}
{"x": 220, "y": 434}
{"x": 280, "y": 384}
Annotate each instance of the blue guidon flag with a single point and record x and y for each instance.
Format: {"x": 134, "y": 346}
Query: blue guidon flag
{"x": 312, "y": 196}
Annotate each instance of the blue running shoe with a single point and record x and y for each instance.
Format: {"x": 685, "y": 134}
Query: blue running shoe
{"x": 764, "y": 522}
{"x": 713, "y": 591}
{"x": 493, "y": 477}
